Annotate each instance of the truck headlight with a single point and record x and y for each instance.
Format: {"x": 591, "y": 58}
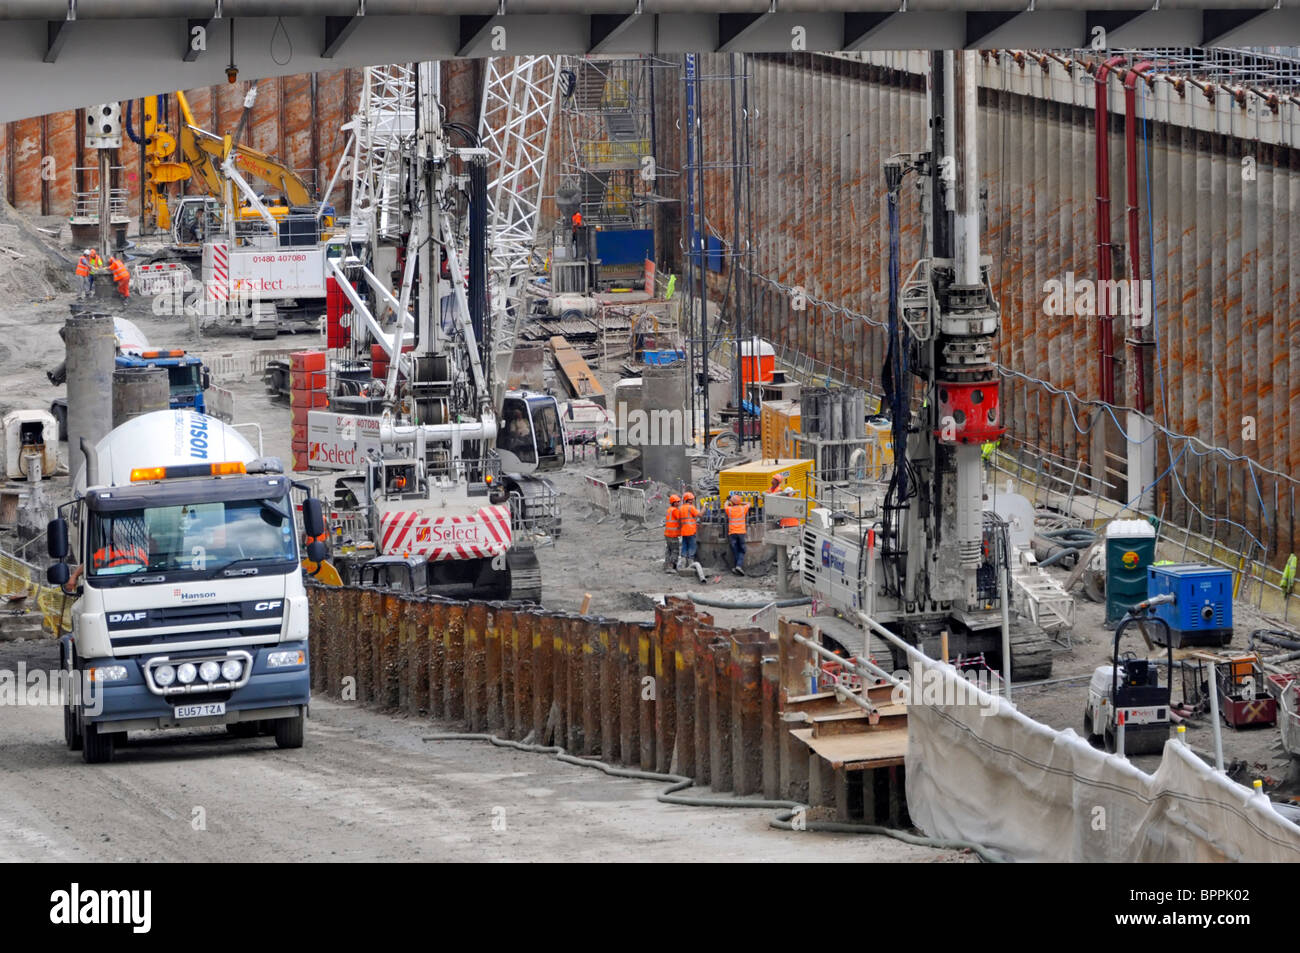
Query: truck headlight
{"x": 186, "y": 673}
{"x": 282, "y": 659}
{"x": 108, "y": 673}
{"x": 231, "y": 669}
{"x": 164, "y": 675}
{"x": 209, "y": 671}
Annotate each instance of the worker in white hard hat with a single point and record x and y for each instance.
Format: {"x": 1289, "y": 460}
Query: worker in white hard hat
{"x": 87, "y": 265}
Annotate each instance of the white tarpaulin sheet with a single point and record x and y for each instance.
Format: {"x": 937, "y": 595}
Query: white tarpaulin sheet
{"x": 981, "y": 771}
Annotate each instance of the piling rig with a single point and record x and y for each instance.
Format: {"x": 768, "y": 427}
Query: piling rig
{"x": 919, "y": 552}
{"x": 435, "y": 477}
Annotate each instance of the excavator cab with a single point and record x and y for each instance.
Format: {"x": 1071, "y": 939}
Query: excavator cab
{"x": 195, "y": 219}
{"x": 530, "y": 438}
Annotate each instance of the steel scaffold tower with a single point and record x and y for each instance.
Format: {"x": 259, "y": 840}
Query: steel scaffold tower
{"x": 515, "y": 128}
{"x": 385, "y": 119}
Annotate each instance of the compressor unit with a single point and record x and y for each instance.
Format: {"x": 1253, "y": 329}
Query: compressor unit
{"x": 1201, "y": 611}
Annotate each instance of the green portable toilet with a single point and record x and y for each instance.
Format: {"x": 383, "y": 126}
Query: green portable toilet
{"x": 1130, "y": 549}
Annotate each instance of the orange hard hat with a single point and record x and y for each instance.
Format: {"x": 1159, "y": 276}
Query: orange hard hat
{"x": 688, "y": 495}
{"x": 674, "y": 498}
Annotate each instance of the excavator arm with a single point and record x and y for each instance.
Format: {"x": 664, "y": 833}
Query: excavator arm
{"x": 205, "y": 152}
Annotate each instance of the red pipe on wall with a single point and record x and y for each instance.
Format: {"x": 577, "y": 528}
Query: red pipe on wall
{"x": 1105, "y": 322}
{"x": 1139, "y": 337}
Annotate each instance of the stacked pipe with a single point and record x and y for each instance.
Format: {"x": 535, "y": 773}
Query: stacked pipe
{"x": 307, "y": 392}
{"x": 677, "y": 694}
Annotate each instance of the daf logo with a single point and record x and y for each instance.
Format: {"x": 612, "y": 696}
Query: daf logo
{"x": 268, "y": 606}
{"x": 126, "y": 616}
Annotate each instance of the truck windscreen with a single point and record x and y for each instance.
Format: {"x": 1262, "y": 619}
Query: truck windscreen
{"x": 184, "y": 380}
{"x": 191, "y": 541}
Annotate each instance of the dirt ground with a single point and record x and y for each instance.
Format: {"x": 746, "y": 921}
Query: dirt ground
{"x": 366, "y": 787}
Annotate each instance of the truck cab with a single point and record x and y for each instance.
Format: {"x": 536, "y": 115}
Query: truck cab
{"x": 190, "y": 607}
{"x": 187, "y": 376}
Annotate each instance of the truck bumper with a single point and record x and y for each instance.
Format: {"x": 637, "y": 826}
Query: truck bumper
{"x": 129, "y": 705}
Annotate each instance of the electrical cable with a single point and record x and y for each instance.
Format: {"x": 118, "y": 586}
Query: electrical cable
{"x": 280, "y": 28}
{"x": 785, "y": 818}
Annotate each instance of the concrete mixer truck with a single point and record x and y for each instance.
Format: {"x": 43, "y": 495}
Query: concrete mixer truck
{"x": 180, "y": 549}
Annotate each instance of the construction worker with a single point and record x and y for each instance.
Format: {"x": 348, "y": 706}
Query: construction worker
{"x": 579, "y": 241}
{"x": 737, "y": 511}
{"x": 115, "y": 558}
{"x": 689, "y": 517}
{"x": 672, "y": 534}
{"x": 87, "y": 265}
{"x": 121, "y": 277}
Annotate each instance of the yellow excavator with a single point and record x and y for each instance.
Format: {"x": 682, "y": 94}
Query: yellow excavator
{"x": 203, "y": 153}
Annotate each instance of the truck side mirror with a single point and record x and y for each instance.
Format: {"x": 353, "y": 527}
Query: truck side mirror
{"x": 316, "y": 551}
{"x": 56, "y": 538}
{"x": 205, "y": 377}
{"x": 313, "y": 517}
{"x": 57, "y": 574}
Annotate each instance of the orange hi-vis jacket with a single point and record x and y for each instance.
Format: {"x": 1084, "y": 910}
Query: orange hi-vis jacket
{"x": 83, "y": 267}
{"x": 673, "y": 523}
{"x": 118, "y": 270}
{"x": 736, "y": 513}
{"x": 690, "y": 518}
{"x": 131, "y": 556}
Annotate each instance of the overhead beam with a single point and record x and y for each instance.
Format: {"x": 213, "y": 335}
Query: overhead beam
{"x": 192, "y": 24}
{"x": 1216, "y": 24}
{"x": 56, "y": 34}
{"x": 607, "y": 27}
{"x": 980, "y": 25}
{"x": 858, "y": 27}
{"x": 337, "y": 31}
{"x": 473, "y": 31}
{"x": 732, "y": 28}
{"x": 1109, "y": 21}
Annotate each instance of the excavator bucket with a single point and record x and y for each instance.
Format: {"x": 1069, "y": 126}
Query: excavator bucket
{"x": 324, "y": 573}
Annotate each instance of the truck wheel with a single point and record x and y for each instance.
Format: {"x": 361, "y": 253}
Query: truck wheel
{"x": 288, "y": 731}
{"x": 97, "y": 747}
{"x": 71, "y": 733}
{"x": 1088, "y": 731}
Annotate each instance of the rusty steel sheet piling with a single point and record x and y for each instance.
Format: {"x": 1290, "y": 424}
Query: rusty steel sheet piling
{"x": 678, "y": 694}
{"x": 437, "y": 655}
{"x": 475, "y": 665}
{"x": 745, "y": 676}
{"x": 453, "y": 671}
{"x": 646, "y": 693}
{"x": 667, "y": 623}
{"x": 684, "y": 683}
{"x": 629, "y": 694}
{"x": 609, "y": 701}
{"x": 543, "y": 673}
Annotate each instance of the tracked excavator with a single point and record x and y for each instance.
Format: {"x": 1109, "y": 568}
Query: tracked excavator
{"x": 921, "y": 553}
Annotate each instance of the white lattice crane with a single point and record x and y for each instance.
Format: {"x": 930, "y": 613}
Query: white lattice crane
{"x": 518, "y": 114}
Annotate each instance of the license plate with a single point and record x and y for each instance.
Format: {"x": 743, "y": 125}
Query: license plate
{"x": 199, "y": 711}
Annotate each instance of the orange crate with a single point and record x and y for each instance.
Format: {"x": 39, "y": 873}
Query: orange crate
{"x": 306, "y": 361}
{"x": 311, "y": 399}
{"x": 308, "y": 380}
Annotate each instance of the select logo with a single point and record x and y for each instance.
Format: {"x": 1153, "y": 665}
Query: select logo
{"x": 75, "y": 906}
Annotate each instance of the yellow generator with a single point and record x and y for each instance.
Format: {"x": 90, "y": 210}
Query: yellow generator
{"x": 779, "y": 427}
{"x": 880, "y": 449}
{"x": 766, "y": 476}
